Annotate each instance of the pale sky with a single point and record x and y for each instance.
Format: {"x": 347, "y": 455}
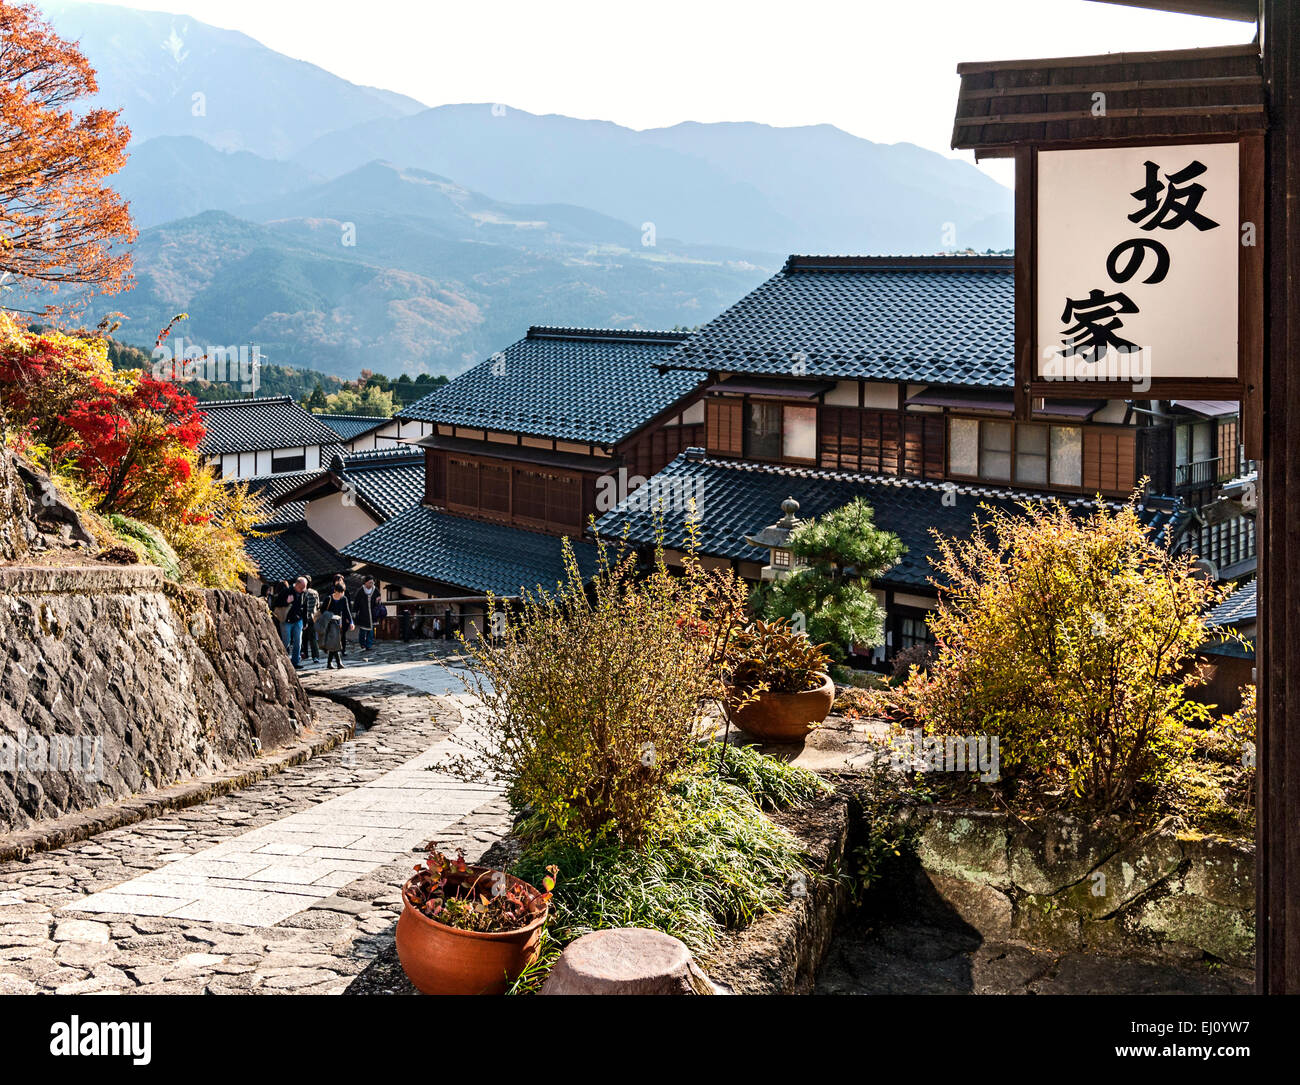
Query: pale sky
{"x": 881, "y": 69}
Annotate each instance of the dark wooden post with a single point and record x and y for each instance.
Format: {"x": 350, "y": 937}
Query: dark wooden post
{"x": 1277, "y": 952}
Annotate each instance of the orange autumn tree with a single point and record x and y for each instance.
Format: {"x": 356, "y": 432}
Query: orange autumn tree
{"x": 59, "y": 222}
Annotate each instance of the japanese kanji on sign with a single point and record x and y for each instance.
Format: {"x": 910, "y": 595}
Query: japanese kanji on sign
{"x": 1138, "y": 258}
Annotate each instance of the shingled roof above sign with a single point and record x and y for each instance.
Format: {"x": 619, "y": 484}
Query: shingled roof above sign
{"x": 246, "y": 425}
{"x": 572, "y": 384}
{"x": 932, "y": 319}
{"x": 1184, "y": 92}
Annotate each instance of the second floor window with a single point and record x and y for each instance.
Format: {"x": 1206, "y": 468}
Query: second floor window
{"x": 288, "y": 461}
{"x": 1031, "y": 455}
{"x": 780, "y": 431}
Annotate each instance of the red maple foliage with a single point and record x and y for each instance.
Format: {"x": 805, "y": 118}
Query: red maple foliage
{"x": 129, "y": 437}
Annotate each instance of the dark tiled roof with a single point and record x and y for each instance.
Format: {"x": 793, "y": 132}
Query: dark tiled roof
{"x": 271, "y": 487}
{"x": 480, "y": 557}
{"x": 572, "y": 384}
{"x": 244, "y": 425}
{"x": 1240, "y": 608}
{"x": 293, "y": 552}
{"x": 350, "y": 426}
{"x": 735, "y": 499}
{"x": 390, "y": 479}
{"x": 937, "y": 320}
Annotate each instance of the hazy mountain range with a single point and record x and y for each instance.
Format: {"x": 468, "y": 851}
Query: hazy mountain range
{"x": 343, "y": 227}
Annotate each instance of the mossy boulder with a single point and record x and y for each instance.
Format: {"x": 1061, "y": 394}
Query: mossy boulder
{"x": 970, "y": 845}
{"x": 149, "y": 542}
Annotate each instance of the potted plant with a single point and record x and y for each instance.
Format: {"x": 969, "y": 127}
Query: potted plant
{"x": 780, "y": 682}
{"x": 468, "y": 930}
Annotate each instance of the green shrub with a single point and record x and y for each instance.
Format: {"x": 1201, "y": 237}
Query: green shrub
{"x": 839, "y": 553}
{"x": 773, "y": 784}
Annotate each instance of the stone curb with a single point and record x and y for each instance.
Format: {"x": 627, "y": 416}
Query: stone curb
{"x": 82, "y": 579}
{"x": 334, "y": 724}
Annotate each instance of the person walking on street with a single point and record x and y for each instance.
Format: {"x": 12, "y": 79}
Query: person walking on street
{"x": 364, "y": 608}
{"x": 340, "y": 581}
{"x": 334, "y": 622}
{"x": 310, "y": 605}
{"x": 293, "y": 621}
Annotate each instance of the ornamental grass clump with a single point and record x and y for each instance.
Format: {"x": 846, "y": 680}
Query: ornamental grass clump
{"x": 592, "y": 694}
{"x": 712, "y": 861}
{"x": 1070, "y": 638}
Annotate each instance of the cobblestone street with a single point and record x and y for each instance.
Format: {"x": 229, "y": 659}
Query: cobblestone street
{"x": 291, "y": 885}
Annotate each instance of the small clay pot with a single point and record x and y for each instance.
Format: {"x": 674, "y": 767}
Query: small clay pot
{"x": 786, "y": 717}
{"x": 442, "y": 960}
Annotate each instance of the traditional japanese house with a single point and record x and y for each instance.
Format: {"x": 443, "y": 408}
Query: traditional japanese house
{"x": 366, "y": 433}
{"x": 315, "y": 513}
{"x": 247, "y": 438}
{"x": 1229, "y": 655}
{"x": 892, "y": 378}
{"x": 524, "y": 448}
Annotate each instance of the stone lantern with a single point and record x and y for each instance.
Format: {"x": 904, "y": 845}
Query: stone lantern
{"x": 781, "y": 560}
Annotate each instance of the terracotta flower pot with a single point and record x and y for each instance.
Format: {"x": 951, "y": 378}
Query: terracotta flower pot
{"x": 786, "y": 717}
{"x": 442, "y": 960}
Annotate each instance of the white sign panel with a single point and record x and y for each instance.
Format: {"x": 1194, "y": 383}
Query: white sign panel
{"x": 1138, "y": 263}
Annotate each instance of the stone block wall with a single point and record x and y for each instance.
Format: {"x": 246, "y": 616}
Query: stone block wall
{"x": 114, "y": 683}
{"x": 1061, "y": 884}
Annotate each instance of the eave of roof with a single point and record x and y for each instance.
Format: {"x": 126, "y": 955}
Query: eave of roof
{"x": 351, "y": 426}
{"x": 385, "y": 481}
{"x": 437, "y": 547}
{"x": 581, "y": 385}
{"x": 294, "y": 551}
{"x": 734, "y": 499}
{"x": 1239, "y": 608}
{"x": 260, "y": 424}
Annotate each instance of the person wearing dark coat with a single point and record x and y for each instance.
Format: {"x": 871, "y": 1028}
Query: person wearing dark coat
{"x": 364, "y": 605}
{"x": 340, "y": 581}
{"x": 332, "y": 626}
{"x": 294, "y": 616}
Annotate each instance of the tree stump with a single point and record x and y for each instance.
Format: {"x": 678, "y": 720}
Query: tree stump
{"x": 627, "y": 961}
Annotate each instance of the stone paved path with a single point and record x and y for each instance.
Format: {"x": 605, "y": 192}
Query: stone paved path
{"x": 291, "y": 885}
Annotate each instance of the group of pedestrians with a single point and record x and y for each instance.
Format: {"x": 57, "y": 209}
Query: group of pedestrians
{"x": 311, "y": 624}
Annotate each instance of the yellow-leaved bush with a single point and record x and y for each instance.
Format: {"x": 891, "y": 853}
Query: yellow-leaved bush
{"x": 1069, "y": 637}
{"x": 592, "y": 694}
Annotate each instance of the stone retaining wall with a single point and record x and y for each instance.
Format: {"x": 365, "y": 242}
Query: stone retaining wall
{"x": 1103, "y": 889}
{"x": 114, "y": 683}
